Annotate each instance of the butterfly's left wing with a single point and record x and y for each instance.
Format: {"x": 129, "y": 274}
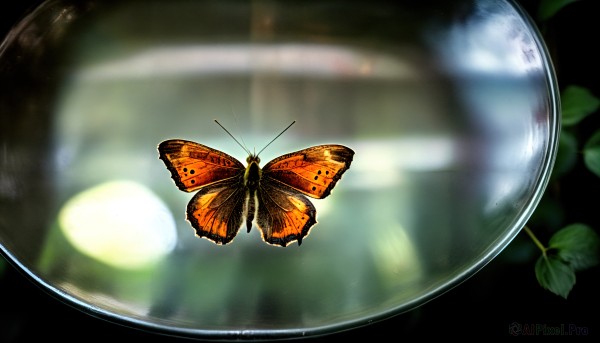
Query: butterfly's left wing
{"x": 313, "y": 171}
{"x": 193, "y": 165}
{"x": 284, "y": 215}
{"x": 216, "y": 212}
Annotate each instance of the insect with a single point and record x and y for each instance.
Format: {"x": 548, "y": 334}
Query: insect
{"x": 229, "y": 192}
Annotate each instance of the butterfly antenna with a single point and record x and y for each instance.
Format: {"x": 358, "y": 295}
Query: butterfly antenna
{"x": 229, "y": 133}
{"x": 237, "y": 124}
{"x": 281, "y": 133}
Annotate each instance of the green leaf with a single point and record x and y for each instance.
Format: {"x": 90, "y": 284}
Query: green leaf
{"x": 555, "y": 275}
{"x": 591, "y": 153}
{"x": 566, "y": 156}
{"x": 578, "y": 245}
{"x": 576, "y": 104}
{"x": 548, "y": 8}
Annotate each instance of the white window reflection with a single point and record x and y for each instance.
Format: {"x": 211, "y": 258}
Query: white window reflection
{"x": 120, "y": 223}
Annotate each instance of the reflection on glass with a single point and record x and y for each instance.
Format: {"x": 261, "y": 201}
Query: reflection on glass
{"x": 120, "y": 223}
{"x": 322, "y": 61}
{"x": 492, "y": 43}
{"x": 395, "y": 258}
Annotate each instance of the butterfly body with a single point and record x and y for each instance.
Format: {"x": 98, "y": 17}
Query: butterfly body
{"x": 229, "y": 193}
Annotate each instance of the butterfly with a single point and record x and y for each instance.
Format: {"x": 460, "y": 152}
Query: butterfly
{"x": 229, "y": 193}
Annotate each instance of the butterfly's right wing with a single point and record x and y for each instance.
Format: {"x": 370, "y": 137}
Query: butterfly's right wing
{"x": 313, "y": 171}
{"x": 284, "y": 214}
{"x": 194, "y": 165}
{"x": 216, "y": 212}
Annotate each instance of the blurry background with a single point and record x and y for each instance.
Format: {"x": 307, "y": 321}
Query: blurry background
{"x": 501, "y": 295}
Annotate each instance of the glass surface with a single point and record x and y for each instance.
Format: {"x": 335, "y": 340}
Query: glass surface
{"x": 451, "y": 108}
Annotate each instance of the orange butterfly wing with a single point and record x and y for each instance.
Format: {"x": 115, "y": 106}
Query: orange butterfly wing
{"x": 284, "y": 213}
{"x": 313, "y": 171}
{"x": 194, "y": 165}
{"x": 216, "y": 211}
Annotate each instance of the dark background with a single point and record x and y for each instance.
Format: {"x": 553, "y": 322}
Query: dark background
{"x": 503, "y": 295}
